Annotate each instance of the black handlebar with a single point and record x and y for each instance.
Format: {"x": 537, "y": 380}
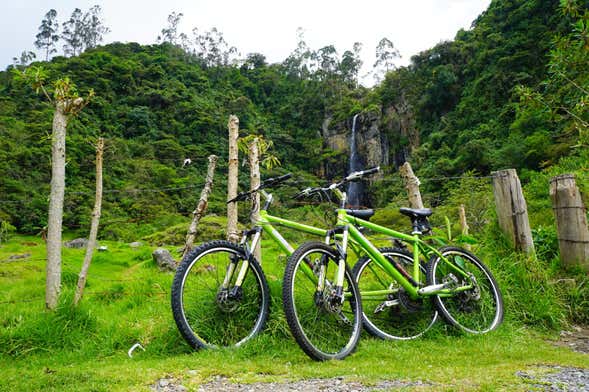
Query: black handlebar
{"x": 276, "y": 180}
{"x": 355, "y": 176}
{"x": 267, "y": 183}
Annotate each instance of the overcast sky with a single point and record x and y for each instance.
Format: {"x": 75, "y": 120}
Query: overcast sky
{"x": 264, "y": 26}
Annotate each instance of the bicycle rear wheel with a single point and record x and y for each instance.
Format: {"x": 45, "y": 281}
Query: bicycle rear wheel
{"x": 393, "y": 315}
{"x": 210, "y": 315}
{"x": 324, "y": 324}
{"x": 478, "y": 310}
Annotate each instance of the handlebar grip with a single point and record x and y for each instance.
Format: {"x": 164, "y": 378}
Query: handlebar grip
{"x": 284, "y": 177}
{"x": 370, "y": 171}
{"x": 355, "y": 176}
{"x": 275, "y": 180}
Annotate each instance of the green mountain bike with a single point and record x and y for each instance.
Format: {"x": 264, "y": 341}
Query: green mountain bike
{"x": 396, "y": 286}
{"x": 220, "y": 295}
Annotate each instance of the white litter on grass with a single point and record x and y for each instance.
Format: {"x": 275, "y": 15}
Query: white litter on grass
{"x": 136, "y": 345}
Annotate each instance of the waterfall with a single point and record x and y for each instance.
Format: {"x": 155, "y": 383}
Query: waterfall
{"x": 354, "y": 190}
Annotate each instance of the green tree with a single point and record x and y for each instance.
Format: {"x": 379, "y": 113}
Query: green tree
{"x": 24, "y": 59}
{"x": 386, "y": 54}
{"x": 94, "y": 28}
{"x": 73, "y": 31}
{"x": 170, "y": 33}
{"x": 48, "y": 34}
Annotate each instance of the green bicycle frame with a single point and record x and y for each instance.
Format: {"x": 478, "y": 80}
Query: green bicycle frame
{"x": 264, "y": 223}
{"x": 420, "y": 247}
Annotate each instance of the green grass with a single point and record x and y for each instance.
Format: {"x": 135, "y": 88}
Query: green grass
{"x": 127, "y": 301}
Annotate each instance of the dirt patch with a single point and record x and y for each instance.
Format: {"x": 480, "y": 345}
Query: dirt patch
{"x": 577, "y": 339}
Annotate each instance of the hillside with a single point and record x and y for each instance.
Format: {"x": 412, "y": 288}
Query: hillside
{"x": 456, "y": 108}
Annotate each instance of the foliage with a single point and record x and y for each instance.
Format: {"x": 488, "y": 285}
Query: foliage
{"x": 510, "y": 92}
{"x": 6, "y": 231}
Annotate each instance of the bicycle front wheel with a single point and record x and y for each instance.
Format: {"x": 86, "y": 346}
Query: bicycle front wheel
{"x": 210, "y": 310}
{"x": 389, "y": 312}
{"x": 325, "y": 323}
{"x": 477, "y": 310}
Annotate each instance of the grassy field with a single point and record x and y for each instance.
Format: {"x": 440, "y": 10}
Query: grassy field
{"x": 127, "y": 301}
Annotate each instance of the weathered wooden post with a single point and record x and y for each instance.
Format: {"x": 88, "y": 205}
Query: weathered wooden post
{"x": 512, "y": 211}
{"x": 201, "y": 207}
{"x": 463, "y": 223}
{"x": 232, "y": 232}
{"x": 571, "y": 221}
{"x": 254, "y": 161}
{"x": 412, "y": 185}
{"x": 93, "y": 226}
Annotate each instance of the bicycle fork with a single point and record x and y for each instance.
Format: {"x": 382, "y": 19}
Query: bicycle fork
{"x": 234, "y": 291}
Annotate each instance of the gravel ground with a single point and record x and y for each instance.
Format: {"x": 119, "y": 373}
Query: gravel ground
{"x": 559, "y": 378}
{"x": 313, "y": 385}
{"x": 544, "y": 378}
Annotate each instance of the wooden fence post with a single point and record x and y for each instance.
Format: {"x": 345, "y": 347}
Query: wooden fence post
{"x": 571, "y": 221}
{"x": 93, "y": 226}
{"x": 201, "y": 207}
{"x": 463, "y": 223}
{"x": 233, "y": 126}
{"x": 512, "y": 211}
{"x": 254, "y": 161}
{"x": 412, "y": 185}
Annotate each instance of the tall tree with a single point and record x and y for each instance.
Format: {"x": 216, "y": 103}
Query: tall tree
{"x": 73, "y": 34}
{"x": 25, "y": 58}
{"x": 212, "y": 47}
{"x": 301, "y": 62}
{"x": 328, "y": 60}
{"x": 93, "y": 28}
{"x": 386, "y": 54}
{"x": 350, "y": 65}
{"x": 170, "y": 33}
{"x": 48, "y": 34}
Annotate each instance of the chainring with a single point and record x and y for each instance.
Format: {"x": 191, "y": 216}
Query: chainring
{"x": 411, "y": 305}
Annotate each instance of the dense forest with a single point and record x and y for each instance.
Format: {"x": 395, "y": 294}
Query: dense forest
{"x": 512, "y": 91}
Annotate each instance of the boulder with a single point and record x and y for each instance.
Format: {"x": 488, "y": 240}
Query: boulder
{"x": 77, "y": 243}
{"x": 164, "y": 260}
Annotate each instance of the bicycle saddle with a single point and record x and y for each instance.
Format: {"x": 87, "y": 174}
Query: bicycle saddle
{"x": 415, "y": 212}
{"x": 362, "y": 214}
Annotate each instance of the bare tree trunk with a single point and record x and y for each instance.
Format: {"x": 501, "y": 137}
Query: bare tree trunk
{"x": 571, "y": 221}
{"x": 232, "y": 232}
{"x": 93, "y": 226}
{"x": 201, "y": 206}
{"x": 512, "y": 210}
{"x": 254, "y": 160}
{"x": 55, "y": 218}
{"x": 412, "y": 185}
